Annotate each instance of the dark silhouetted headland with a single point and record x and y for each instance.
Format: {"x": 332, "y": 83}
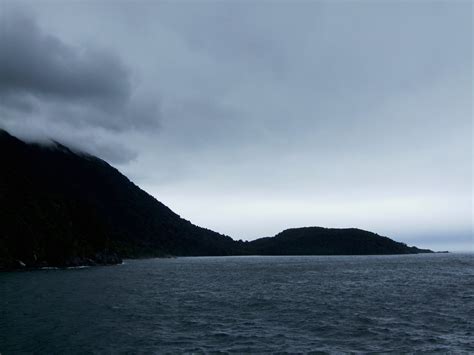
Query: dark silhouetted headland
{"x": 329, "y": 241}
{"x": 59, "y": 207}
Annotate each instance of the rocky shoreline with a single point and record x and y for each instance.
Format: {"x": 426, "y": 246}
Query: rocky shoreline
{"x": 104, "y": 258}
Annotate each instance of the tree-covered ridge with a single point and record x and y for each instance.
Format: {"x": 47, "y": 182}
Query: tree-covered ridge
{"x": 329, "y": 241}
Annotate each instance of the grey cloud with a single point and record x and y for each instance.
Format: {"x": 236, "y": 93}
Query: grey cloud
{"x": 41, "y": 64}
{"x": 103, "y": 144}
{"x": 202, "y": 124}
{"x": 112, "y": 153}
{"x": 41, "y": 75}
{"x": 13, "y": 101}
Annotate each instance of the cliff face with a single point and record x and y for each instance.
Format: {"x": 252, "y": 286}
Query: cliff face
{"x": 63, "y": 208}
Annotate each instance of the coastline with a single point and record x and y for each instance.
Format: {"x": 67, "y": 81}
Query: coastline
{"x": 18, "y": 265}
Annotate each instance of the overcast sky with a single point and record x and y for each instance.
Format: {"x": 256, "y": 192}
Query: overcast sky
{"x": 249, "y": 117}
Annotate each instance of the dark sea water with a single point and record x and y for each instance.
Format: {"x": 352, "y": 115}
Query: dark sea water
{"x": 422, "y": 303}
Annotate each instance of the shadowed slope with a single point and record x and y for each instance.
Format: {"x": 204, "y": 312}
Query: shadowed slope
{"x": 61, "y": 207}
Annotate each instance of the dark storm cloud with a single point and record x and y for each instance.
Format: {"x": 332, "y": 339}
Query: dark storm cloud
{"x": 42, "y": 76}
{"x": 41, "y": 64}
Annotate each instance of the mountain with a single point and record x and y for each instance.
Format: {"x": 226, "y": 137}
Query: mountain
{"x": 59, "y": 207}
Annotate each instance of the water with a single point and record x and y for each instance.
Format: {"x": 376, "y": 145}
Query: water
{"x": 244, "y": 304}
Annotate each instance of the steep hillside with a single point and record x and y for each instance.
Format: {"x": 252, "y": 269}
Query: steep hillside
{"x": 64, "y": 208}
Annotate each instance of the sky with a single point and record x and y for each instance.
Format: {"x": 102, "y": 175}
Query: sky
{"x": 250, "y": 117}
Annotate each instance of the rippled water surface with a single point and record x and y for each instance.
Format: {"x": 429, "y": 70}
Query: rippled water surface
{"x": 244, "y": 304}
